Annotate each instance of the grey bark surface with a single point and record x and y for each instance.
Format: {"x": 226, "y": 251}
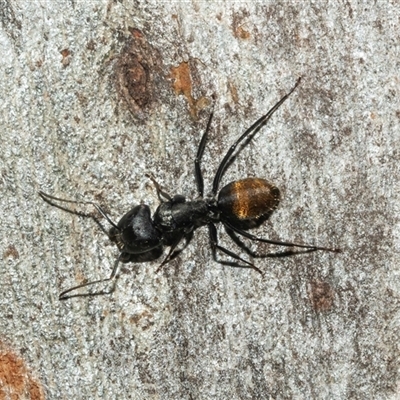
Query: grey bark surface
{"x": 316, "y": 326}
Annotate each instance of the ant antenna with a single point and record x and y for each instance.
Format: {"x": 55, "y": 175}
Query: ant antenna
{"x": 47, "y": 198}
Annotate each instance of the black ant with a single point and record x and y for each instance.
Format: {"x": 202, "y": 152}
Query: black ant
{"x": 239, "y": 205}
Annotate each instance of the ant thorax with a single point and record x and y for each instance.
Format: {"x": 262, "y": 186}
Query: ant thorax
{"x": 179, "y": 214}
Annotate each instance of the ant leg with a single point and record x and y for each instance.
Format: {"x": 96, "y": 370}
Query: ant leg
{"x": 160, "y": 192}
{"x": 188, "y": 238}
{"x": 48, "y": 199}
{"x": 215, "y": 246}
{"x": 171, "y": 254}
{"x": 277, "y": 242}
{"x": 200, "y": 151}
{"x": 113, "y": 277}
{"x": 253, "y": 128}
{"x": 240, "y": 243}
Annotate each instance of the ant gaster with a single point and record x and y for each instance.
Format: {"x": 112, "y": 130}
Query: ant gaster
{"x": 239, "y": 205}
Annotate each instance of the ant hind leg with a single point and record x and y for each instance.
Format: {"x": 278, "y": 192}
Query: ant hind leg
{"x": 278, "y": 242}
{"x": 240, "y": 243}
{"x": 215, "y": 246}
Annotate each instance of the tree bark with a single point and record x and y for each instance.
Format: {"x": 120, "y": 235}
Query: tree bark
{"x": 95, "y": 96}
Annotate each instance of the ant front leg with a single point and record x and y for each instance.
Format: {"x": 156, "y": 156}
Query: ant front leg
{"x": 215, "y": 246}
{"x": 173, "y": 252}
{"x": 113, "y": 277}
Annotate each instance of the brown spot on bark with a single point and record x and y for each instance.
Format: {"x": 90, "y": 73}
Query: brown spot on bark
{"x": 321, "y": 295}
{"x": 233, "y": 92}
{"x": 16, "y": 382}
{"x": 11, "y": 252}
{"x": 66, "y": 57}
{"x": 136, "y": 70}
{"x": 91, "y": 45}
{"x": 183, "y": 85}
{"x": 238, "y": 25}
{"x": 242, "y": 33}
{"x": 143, "y": 319}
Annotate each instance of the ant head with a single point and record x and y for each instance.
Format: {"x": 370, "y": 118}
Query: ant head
{"x": 135, "y": 232}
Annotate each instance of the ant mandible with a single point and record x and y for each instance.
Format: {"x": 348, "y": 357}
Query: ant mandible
{"x": 240, "y": 205}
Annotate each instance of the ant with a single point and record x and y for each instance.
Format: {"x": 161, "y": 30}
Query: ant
{"x": 239, "y": 206}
